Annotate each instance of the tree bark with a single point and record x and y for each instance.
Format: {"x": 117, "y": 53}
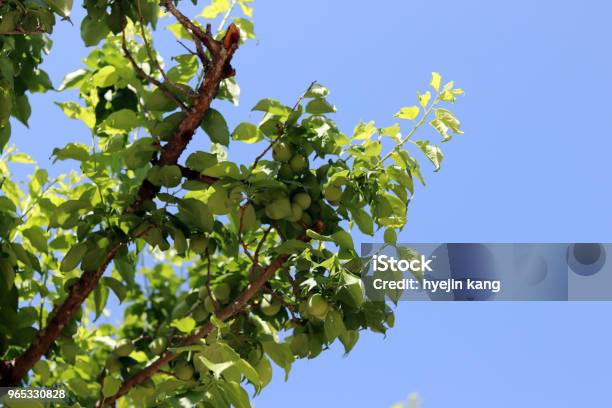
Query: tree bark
{"x": 12, "y": 373}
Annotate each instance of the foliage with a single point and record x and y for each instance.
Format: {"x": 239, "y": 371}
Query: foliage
{"x": 222, "y": 269}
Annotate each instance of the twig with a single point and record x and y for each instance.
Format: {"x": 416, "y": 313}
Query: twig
{"x": 289, "y": 306}
{"x": 195, "y": 176}
{"x": 294, "y": 285}
{"x": 154, "y": 59}
{"x": 283, "y": 129}
{"x": 148, "y": 77}
{"x": 223, "y": 315}
{"x": 205, "y": 36}
{"x": 240, "y": 237}
{"x": 208, "y": 279}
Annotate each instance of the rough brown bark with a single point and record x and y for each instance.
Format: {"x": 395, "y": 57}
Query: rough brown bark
{"x": 17, "y": 369}
{"x": 11, "y": 373}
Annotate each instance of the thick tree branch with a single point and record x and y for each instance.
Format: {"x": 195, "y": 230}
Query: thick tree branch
{"x": 61, "y": 317}
{"x": 13, "y": 372}
{"x": 220, "y": 69}
{"x": 226, "y": 313}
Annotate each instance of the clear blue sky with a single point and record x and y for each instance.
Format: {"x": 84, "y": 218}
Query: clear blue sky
{"x": 533, "y": 166}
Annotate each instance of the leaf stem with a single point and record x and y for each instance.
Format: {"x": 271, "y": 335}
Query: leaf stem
{"x": 414, "y": 129}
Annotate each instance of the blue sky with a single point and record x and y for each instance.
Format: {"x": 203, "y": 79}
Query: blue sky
{"x": 533, "y": 166}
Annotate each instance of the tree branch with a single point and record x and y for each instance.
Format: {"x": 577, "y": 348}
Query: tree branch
{"x": 283, "y": 128}
{"x": 153, "y": 58}
{"x": 204, "y": 36}
{"x": 12, "y": 373}
{"x": 148, "y": 77}
{"x": 196, "y": 176}
{"x": 61, "y": 317}
{"x": 208, "y": 91}
{"x": 224, "y": 314}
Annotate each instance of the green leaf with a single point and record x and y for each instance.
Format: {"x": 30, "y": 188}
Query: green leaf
{"x": 264, "y": 369}
{"x": 246, "y": 9}
{"x": 363, "y": 220}
{"x": 280, "y": 353}
{"x": 334, "y": 325}
{"x": 364, "y": 131}
{"x": 74, "y": 151}
{"x": 7, "y": 273}
{"x": 195, "y": 212}
{"x": 117, "y": 287}
{"x": 247, "y": 132}
{"x": 436, "y": 80}
{"x": 215, "y": 126}
{"x": 249, "y": 218}
{"x": 424, "y": 98}
{"x": 236, "y": 395}
{"x": 273, "y": 107}
{"x": 179, "y": 31}
{"x": 319, "y": 106}
{"x": 317, "y": 91}
{"x": 167, "y": 176}
{"x": 93, "y": 259}
{"x": 318, "y": 237}
{"x": 343, "y": 239}
{"x": 75, "y": 111}
{"x": 185, "y": 69}
{"x": 139, "y": 153}
{"x": 73, "y": 79}
{"x": 100, "y": 297}
{"x": 200, "y": 161}
{"x": 110, "y": 386}
{"x": 73, "y": 257}
{"x": 408, "y": 113}
{"x": 121, "y": 121}
{"x": 223, "y": 169}
{"x": 105, "y": 77}
{"x": 216, "y": 8}
{"x": 441, "y": 128}
{"x": 22, "y": 109}
{"x": 229, "y": 91}
{"x": 447, "y": 117}
{"x": 433, "y": 153}
{"x": 291, "y": 246}
{"x": 392, "y": 131}
{"x": 37, "y": 238}
{"x": 93, "y": 30}
{"x": 349, "y": 338}
{"x": 23, "y": 158}
{"x": 401, "y": 176}
{"x": 185, "y": 325}
{"x": 247, "y": 29}
{"x": 352, "y": 286}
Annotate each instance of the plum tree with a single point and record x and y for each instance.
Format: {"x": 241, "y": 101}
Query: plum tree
{"x": 219, "y": 268}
